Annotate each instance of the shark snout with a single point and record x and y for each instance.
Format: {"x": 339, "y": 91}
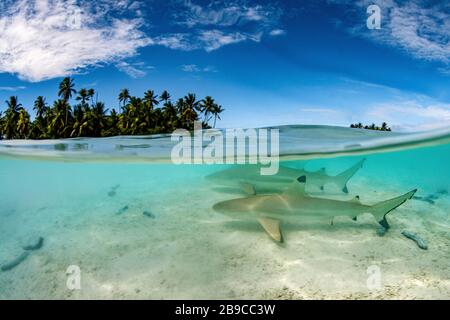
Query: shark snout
{"x": 218, "y": 207}
{"x": 223, "y": 207}
{"x": 230, "y": 208}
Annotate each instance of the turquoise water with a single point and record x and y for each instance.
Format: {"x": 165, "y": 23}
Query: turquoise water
{"x": 140, "y": 227}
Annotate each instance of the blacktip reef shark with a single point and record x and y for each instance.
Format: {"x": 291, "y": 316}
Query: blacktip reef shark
{"x": 294, "y": 204}
{"x": 251, "y": 182}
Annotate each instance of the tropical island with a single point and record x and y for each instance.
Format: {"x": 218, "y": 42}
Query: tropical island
{"x": 90, "y": 118}
{"x": 383, "y": 127}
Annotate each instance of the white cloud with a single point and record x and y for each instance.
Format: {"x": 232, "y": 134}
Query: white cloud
{"x": 12, "y": 88}
{"x": 226, "y": 14}
{"x": 418, "y": 27}
{"x": 423, "y": 32}
{"x": 44, "y": 39}
{"x": 176, "y": 41}
{"x": 409, "y": 115}
{"x": 190, "y": 68}
{"x": 214, "y": 39}
{"x": 208, "y": 40}
{"x": 218, "y": 24}
{"x": 277, "y": 32}
{"x": 196, "y": 69}
{"x": 134, "y": 70}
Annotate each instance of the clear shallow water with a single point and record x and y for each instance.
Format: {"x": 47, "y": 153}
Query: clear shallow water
{"x": 91, "y": 214}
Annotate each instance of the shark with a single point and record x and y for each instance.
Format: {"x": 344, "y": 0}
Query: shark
{"x": 294, "y": 204}
{"x": 251, "y": 182}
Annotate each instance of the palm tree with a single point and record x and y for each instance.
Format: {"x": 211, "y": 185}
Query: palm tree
{"x": 66, "y": 90}
{"x": 130, "y": 120}
{"x": 40, "y": 106}
{"x": 190, "y": 108}
{"x": 165, "y": 96}
{"x": 38, "y": 126}
{"x": 91, "y": 94}
{"x": 150, "y": 99}
{"x": 11, "y": 117}
{"x": 23, "y": 124}
{"x": 149, "y": 116}
{"x": 78, "y": 116}
{"x": 207, "y": 106}
{"x": 113, "y": 125}
{"x": 83, "y": 96}
{"x": 58, "y": 127}
{"x": 170, "y": 116}
{"x": 89, "y": 117}
{"x": 1, "y": 125}
{"x": 13, "y": 105}
{"x": 124, "y": 96}
{"x": 216, "y": 112}
{"x": 98, "y": 118}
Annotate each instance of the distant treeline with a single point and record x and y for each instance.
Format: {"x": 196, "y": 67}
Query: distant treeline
{"x": 384, "y": 126}
{"x": 90, "y": 118}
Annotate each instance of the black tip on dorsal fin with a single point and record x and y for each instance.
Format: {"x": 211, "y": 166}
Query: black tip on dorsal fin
{"x": 302, "y": 179}
{"x": 357, "y": 197}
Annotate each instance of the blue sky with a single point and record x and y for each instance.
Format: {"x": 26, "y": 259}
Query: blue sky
{"x": 266, "y": 62}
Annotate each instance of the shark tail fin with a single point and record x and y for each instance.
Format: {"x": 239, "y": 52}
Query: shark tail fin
{"x": 380, "y": 210}
{"x": 341, "y": 179}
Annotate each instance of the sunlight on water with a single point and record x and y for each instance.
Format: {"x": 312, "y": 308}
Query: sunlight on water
{"x": 148, "y": 230}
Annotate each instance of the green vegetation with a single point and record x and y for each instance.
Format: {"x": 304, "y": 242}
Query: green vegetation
{"x": 384, "y": 127}
{"x": 90, "y": 118}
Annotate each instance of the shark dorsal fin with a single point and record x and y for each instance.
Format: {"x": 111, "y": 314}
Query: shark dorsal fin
{"x": 272, "y": 228}
{"x": 323, "y": 170}
{"x": 355, "y": 200}
{"x": 297, "y": 188}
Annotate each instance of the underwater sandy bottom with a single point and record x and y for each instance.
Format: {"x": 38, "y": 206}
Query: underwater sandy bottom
{"x": 187, "y": 251}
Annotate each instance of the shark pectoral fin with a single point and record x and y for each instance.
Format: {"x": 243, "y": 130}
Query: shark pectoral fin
{"x": 248, "y": 188}
{"x": 272, "y": 227}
